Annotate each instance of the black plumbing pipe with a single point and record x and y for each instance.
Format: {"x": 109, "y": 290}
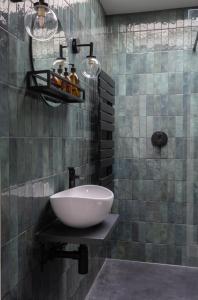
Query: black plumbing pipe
{"x": 81, "y": 255}
{"x": 83, "y": 262}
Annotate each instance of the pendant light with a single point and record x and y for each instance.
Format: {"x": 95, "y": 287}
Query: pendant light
{"x": 41, "y": 22}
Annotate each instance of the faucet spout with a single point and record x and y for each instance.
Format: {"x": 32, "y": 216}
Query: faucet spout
{"x": 72, "y": 177}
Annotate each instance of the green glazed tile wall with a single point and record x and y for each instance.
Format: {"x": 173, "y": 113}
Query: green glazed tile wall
{"x": 37, "y": 145}
{"x": 150, "y": 57}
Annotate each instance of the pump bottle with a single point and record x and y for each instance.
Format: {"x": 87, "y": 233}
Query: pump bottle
{"x": 60, "y": 73}
{"x": 66, "y": 87}
{"x": 75, "y": 80}
{"x": 54, "y": 79}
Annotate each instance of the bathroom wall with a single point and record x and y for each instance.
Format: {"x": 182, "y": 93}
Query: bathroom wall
{"x": 37, "y": 145}
{"x": 150, "y": 56}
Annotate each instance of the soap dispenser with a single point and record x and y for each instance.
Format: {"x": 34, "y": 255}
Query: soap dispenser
{"x": 66, "y": 87}
{"x": 54, "y": 79}
{"x": 75, "y": 80}
{"x": 60, "y": 73}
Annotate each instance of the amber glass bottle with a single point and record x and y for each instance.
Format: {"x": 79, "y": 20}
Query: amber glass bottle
{"x": 75, "y": 80}
{"x": 54, "y": 79}
{"x": 66, "y": 87}
{"x": 60, "y": 73}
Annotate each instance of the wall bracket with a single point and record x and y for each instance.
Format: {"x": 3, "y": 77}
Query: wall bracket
{"x": 76, "y": 47}
{"x": 52, "y": 251}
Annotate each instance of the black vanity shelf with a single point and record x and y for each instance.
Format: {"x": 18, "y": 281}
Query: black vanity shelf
{"x": 60, "y": 233}
{"x": 39, "y": 82}
{"x": 57, "y": 236}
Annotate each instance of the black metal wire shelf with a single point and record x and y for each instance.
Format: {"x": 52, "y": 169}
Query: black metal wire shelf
{"x": 39, "y": 82}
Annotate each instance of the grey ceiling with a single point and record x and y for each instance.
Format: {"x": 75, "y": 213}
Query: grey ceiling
{"x": 129, "y": 6}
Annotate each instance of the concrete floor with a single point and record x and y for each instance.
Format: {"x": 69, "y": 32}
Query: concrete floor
{"x": 127, "y": 280}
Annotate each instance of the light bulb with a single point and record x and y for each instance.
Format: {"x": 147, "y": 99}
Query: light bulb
{"x": 41, "y": 22}
{"x": 90, "y": 67}
{"x": 41, "y": 16}
{"x": 59, "y": 62}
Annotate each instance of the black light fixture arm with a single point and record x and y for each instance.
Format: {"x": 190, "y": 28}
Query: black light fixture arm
{"x": 61, "y": 47}
{"x": 90, "y": 45}
{"x": 76, "y": 46}
{"x": 39, "y": 1}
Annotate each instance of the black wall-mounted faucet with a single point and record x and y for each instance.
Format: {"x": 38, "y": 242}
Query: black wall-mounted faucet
{"x": 72, "y": 177}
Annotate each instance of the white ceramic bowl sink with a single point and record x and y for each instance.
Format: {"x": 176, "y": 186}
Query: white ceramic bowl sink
{"x": 82, "y": 206}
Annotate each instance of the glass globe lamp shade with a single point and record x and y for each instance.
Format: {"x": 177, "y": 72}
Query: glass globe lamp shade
{"x": 90, "y": 67}
{"x": 59, "y": 62}
{"x": 41, "y": 22}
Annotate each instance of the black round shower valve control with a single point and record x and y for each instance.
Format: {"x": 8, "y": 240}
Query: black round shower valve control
{"x": 159, "y": 139}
